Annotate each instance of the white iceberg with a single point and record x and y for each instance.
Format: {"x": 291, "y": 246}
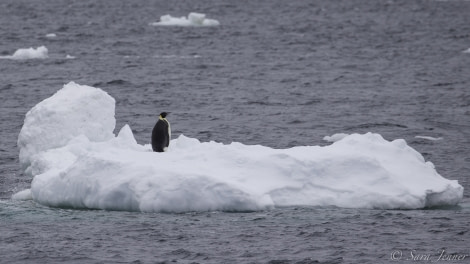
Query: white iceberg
{"x": 31, "y": 53}
{"x": 67, "y": 144}
{"x": 467, "y": 50}
{"x": 193, "y": 19}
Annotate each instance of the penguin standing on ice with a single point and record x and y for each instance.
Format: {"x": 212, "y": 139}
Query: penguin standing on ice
{"x": 161, "y": 134}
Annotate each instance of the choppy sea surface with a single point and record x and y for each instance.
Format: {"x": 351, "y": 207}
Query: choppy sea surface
{"x": 275, "y": 73}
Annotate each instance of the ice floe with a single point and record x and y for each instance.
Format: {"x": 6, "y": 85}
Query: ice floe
{"x": 68, "y": 146}
{"x": 193, "y": 19}
{"x": 30, "y": 53}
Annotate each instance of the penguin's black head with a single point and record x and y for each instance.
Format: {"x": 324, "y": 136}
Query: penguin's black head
{"x": 163, "y": 114}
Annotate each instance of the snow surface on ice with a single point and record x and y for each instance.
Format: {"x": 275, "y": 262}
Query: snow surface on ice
{"x": 193, "y": 19}
{"x": 67, "y": 144}
{"x": 31, "y": 53}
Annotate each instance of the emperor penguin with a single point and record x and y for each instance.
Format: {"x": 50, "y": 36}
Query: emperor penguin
{"x": 161, "y": 134}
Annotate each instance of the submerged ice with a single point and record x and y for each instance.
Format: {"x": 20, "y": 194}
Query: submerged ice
{"x": 193, "y": 19}
{"x": 67, "y": 145}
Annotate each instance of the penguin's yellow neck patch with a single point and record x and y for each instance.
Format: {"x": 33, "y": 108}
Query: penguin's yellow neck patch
{"x": 162, "y": 118}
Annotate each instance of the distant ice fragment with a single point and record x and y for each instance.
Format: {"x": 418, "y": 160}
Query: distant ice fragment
{"x": 51, "y": 35}
{"x": 31, "y": 53}
{"x": 429, "y": 138}
{"x": 70, "y": 57}
{"x": 193, "y": 19}
{"x": 467, "y": 50}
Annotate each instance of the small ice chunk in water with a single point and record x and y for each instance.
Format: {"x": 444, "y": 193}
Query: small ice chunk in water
{"x": 30, "y": 53}
{"x": 193, "y": 19}
{"x": 429, "y": 138}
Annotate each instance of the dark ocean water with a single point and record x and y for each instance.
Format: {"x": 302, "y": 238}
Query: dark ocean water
{"x": 276, "y": 73}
